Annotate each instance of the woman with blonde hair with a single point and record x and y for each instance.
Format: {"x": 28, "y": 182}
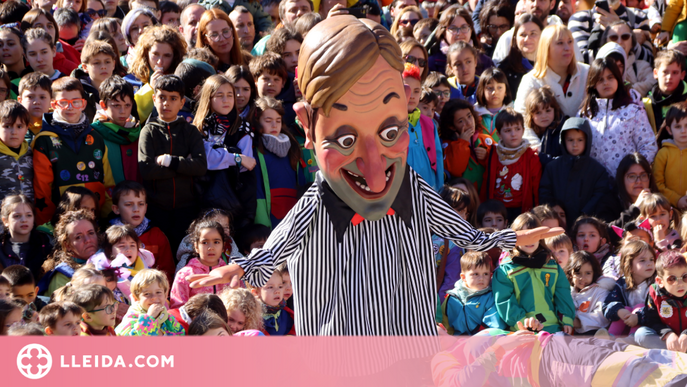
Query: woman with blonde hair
{"x": 244, "y": 310}
{"x": 217, "y": 32}
{"x": 557, "y": 68}
{"x": 408, "y": 17}
{"x": 161, "y": 49}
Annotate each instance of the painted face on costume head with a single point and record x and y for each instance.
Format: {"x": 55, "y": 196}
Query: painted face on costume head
{"x": 362, "y": 147}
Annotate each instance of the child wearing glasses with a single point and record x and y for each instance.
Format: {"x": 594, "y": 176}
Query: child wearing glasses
{"x": 665, "y": 309}
{"x": 100, "y": 307}
{"x": 68, "y": 152}
{"x": 669, "y": 160}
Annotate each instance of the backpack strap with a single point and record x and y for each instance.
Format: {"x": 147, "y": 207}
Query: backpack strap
{"x": 444, "y": 316}
{"x": 441, "y": 272}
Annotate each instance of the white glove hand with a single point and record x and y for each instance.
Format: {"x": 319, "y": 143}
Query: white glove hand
{"x": 164, "y": 160}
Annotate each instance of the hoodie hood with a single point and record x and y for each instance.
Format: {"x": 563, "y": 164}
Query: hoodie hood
{"x": 578, "y": 124}
{"x": 612, "y": 47}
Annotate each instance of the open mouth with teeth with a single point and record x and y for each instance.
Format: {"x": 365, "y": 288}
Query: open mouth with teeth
{"x": 359, "y": 184}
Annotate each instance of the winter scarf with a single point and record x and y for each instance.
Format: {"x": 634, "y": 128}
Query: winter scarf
{"x": 508, "y": 156}
{"x": 77, "y": 128}
{"x": 279, "y": 145}
{"x": 143, "y": 227}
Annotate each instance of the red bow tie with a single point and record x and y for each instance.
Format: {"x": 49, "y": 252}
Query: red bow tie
{"x": 357, "y": 219}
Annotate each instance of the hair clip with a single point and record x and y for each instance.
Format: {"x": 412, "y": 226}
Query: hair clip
{"x": 10, "y": 25}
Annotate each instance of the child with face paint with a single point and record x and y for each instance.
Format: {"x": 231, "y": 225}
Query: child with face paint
{"x": 424, "y": 151}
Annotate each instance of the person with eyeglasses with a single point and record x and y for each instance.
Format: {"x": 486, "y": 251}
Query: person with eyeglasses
{"x": 217, "y": 32}
{"x": 133, "y": 26}
{"x": 494, "y": 20}
{"x": 665, "y": 312}
{"x": 100, "y": 310}
{"x": 407, "y": 18}
{"x": 638, "y": 72}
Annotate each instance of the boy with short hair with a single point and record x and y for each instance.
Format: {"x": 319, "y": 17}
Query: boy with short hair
{"x": 665, "y": 306}
{"x": 68, "y": 152}
{"x": 669, "y": 70}
{"x": 98, "y": 61}
{"x": 61, "y": 319}
{"x": 574, "y": 178}
{"x": 129, "y": 202}
{"x": 16, "y": 157}
{"x": 269, "y": 71}
{"x": 169, "y": 14}
{"x": 277, "y": 317}
{"x": 170, "y": 154}
{"x": 513, "y": 170}
{"x": 119, "y": 129}
{"x": 147, "y": 315}
{"x": 35, "y": 95}
{"x": 561, "y": 247}
{"x": 23, "y": 285}
{"x": 99, "y": 310}
{"x": 469, "y": 307}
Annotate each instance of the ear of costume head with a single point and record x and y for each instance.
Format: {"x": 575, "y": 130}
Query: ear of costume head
{"x": 349, "y": 71}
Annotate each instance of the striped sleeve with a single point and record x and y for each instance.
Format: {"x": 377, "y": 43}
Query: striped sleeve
{"x": 446, "y": 223}
{"x": 282, "y": 242}
{"x": 580, "y": 24}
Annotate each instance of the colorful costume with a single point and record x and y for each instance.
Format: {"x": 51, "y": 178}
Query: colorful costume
{"x": 137, "y": 322}
{"x": 122, "y": 149}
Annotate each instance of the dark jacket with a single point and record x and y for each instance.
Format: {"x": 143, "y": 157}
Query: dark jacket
{"x": 664, "y": 312}
{"x": 92, "y": 94}
{"x": 550, "y": 143}
{"x": 171, "y": 187}
{"x": 617, "y": 300}
{"x": 577, "y": 181}
{"x": 40, "y": 247}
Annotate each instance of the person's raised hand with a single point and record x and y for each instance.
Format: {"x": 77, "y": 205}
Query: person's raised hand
{"x": 659, "y": 232}
{"x": 530, "y": 237}
{"x": 466, "y": 134}
{"x": 679, "y": 46}
{"x": 337, "y": 9}
{"x": 604, "y": 19}
{"x": 481, "y": 153}
{"x": 221, "y": 275}
{"x": 154, "y": 310}
{"x": 79, "y": 45}
{"x": 642, "y": 195}
{"x": 662, "y": 38}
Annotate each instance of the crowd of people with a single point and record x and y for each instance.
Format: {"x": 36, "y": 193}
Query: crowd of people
{"x": 143, "y": 142}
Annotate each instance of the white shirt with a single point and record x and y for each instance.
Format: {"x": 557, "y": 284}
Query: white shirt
{"x": 569, "y": 101}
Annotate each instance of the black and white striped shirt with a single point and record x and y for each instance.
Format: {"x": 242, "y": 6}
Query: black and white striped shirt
{"x": 375, "y": 278}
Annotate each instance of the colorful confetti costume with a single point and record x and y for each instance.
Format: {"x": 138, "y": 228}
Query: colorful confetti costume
{"x": 137, "y": 322}
{"x": 61, "y": 160}
{"x": 494, "y": 358}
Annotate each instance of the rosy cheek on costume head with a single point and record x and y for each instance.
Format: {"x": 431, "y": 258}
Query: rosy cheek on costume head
{"x": 333, "y": 160}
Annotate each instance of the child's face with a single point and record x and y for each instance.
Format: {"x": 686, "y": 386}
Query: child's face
{"x": 679, "y": 132}
{"x": 67, "y": 325}
{"x": 73, "y": 4}
{"x": 270, "y": 122}
{"x": 236, "y": 321}
{"x": 288, "y": 287}
{"x": 643, "y": 267}
{"x": 127, "y": 247}
{"x": 639, "y": 235}
{"x": 444, "y": 94}
{"x": 210, "y": 246}
{"x": 415, "y": 92}
{"x": 151, "y": 294}
{"x": 40, "y": 55}
{"x": 83, "y": 240}
{"x": 422, "y": 34}
{"x": 463, "y": 120}
{"x": 87, "y": 203}
{"x": 561, "y": 215}
{"x": 511, "y": 135}
{"x": 4, "y": 90}
{"x": 160, "y": 56}
{"x": 575, "y": 142}
{"x": 273, "y": 291}
{"x": 562, "y": 255}
{"x": 463, "y": 64}
{"x": 588, "y": 238}
{"x": 223, "y": 100}
{"x": 478, "y": 278}
{"x": 74, "y": 102}
{"x": 171, "y": 19}
{"x": 242, "y": 88}
{"x": 168, "y": 104}
{"x": 224, "y": 221}
{"x": 118, "y": 110}
{"x": 20, "y": 221}
{"x": 494, "y": 94}
{"x": 36, "y": 101}
{"x": 12, "y": 133}
{"x": 661, "y": 217}
{"x": 674, "y": 280}
{"x": 427, "y": 109}
{"x": 544, "y": 116}
{"x": 583, "y": 277}
{"x": 5, "y": 292}
{"x": 607, "y": 85}
{"x": 11, "y": 49}
{"x": 100, "y": 67}
{"x": 26, "y": 292}
{"x": 529, "y": 249}
{"x": 292, "y": 49}
{"x": 100, "y": 318}
{"x": 669, "y": 77}
{"x": 494, "y": 220}
{"x": 269, "y": 85}
{"x": 131, "y": 208}
{"x": 12, "y": 318}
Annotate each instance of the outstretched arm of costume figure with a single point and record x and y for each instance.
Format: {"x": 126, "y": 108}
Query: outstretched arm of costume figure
{"x": 221, "y": 275}
{"x": 530, "y": 237}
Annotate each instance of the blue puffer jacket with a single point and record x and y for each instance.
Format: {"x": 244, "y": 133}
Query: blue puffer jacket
{"x": 466, "y": 313}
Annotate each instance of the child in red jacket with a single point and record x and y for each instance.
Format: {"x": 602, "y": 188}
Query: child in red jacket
{"x": 513, "y": 169}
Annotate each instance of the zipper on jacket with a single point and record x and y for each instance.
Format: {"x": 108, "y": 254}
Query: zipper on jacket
{"x": 174, "y": 185}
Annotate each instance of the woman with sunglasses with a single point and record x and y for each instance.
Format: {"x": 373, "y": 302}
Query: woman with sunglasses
{"x": 95, "y": 9}
{"x": 415, "y": 53}
{"x": 408, "y": 17}
{"x": 217, "y": 32}
{"x": 638, "y": 73}
{"x": 455, "y": 25}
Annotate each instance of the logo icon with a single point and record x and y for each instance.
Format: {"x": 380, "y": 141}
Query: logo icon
{"x": 34, "y": 361}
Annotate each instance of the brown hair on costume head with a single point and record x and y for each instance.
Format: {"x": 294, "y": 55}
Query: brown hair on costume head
{"x": 337, "y": 53}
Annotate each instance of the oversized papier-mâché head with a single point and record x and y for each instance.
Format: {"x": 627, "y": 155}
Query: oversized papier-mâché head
{"x": 355, "y": 111}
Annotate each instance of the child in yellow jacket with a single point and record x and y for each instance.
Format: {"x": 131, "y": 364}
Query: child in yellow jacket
{"x": 670, "y": 164}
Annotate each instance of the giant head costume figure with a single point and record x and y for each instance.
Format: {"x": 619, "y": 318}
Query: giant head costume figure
{"x": 355, "y": 111}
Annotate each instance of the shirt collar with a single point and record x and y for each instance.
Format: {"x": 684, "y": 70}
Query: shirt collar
{"x": 341, "y": 214}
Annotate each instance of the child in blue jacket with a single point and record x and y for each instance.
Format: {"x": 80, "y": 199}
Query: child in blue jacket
{"x": 469, "y": 307}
